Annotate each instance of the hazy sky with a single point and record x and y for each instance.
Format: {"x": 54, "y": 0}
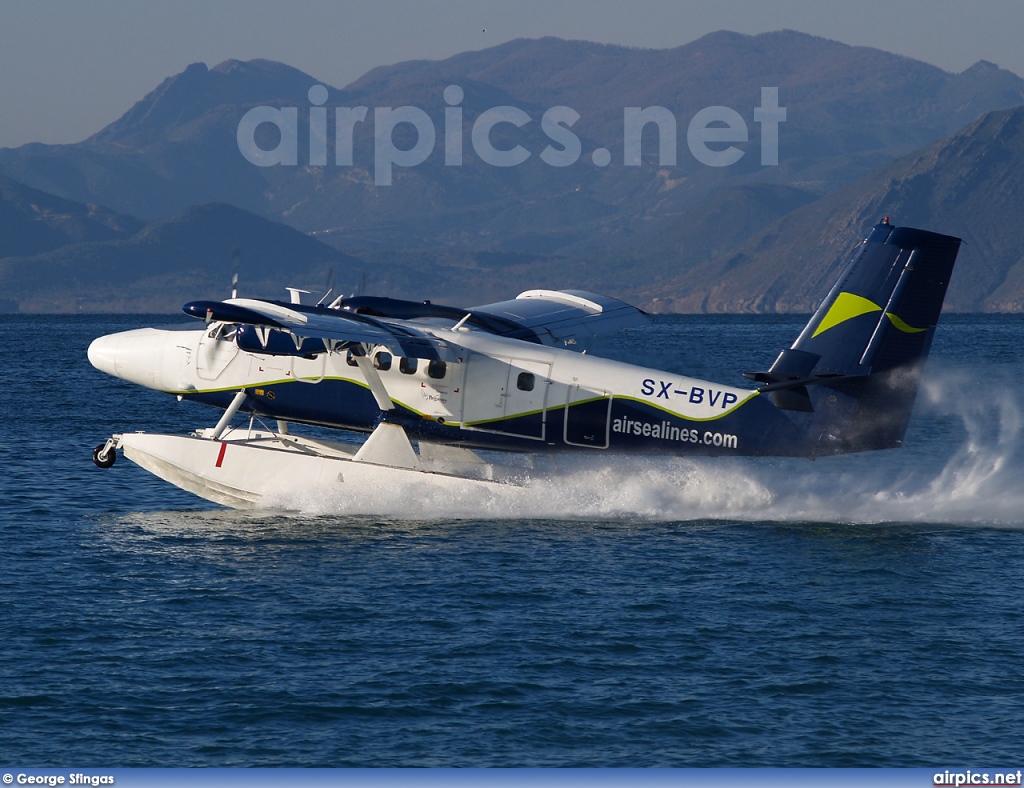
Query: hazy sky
{"x": 69, "y": 68}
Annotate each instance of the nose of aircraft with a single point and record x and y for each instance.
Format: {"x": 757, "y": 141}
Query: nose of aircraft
{"x": 143, "y": 356}
{"x": 103, "y": 353}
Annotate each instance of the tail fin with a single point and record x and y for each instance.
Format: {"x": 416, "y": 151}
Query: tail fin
{"x": 857, "y": 364}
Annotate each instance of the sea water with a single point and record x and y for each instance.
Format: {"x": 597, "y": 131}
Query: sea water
{"x": 851, "y": 611}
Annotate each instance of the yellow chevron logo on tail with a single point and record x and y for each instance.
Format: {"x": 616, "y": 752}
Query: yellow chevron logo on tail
{"x": 846, "y": 307}
{"x": 904, "y": 327}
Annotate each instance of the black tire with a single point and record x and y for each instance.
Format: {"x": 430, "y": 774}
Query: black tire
{"x": 107, "y": 461}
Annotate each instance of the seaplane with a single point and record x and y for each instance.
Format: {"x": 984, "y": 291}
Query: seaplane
{"x": 439, "y": 391}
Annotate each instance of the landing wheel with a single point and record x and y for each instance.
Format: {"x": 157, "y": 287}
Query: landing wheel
{"x": 103, "y": 456}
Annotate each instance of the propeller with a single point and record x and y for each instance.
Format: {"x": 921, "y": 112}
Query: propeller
{"x": 235, "y": 255}
{"x": 328, "y": 286}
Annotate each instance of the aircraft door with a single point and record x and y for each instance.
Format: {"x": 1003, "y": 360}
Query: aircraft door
{"x": 216, "y": 349}
{"x": 587, "y": 417}
{"x": 526, "y": 391}
{"x": 506, "y": 396}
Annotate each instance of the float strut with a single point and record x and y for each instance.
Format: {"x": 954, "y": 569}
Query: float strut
{"x": 229, "y": 414}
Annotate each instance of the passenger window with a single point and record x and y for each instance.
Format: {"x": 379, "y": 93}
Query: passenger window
{"x": 436, "y": 369}
{"x": 525, "y": 381}
{"x": 382, "y": 361}
{"x": 408, "y": 365}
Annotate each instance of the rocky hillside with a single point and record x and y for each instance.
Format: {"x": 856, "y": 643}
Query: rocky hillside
{"x": 190, "y": 255}
{"x": 970, "y": 184}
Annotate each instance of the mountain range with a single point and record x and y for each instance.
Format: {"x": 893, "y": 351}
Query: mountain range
{"x": 117, "y": 263}
{"x": 970, "y": 184}
{"x": 867, "y": 133}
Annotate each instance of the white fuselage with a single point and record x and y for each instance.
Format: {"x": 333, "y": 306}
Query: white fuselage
{"x": 485, "y": 384}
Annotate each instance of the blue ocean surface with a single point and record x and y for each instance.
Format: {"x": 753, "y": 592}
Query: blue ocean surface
{"x": 852, "y": 611}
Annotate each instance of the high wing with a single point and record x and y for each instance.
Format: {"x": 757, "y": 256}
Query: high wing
{"x": 294, "y": 329}
{"x": 567, "y": 318}
{"x": 556, "y": 318}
